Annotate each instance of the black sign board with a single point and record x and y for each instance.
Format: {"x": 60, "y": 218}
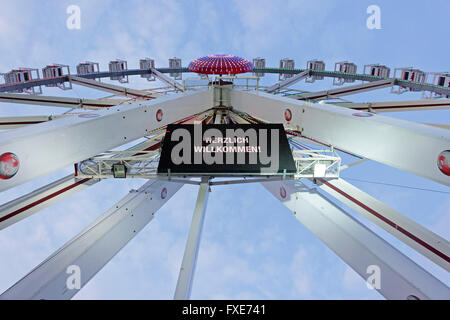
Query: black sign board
{"x": 226, "y": 149}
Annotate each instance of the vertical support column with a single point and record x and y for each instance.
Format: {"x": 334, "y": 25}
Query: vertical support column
{"x": 186, "y": 276}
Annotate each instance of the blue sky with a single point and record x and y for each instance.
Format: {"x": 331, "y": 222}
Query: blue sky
{"x": 252, "y": 247}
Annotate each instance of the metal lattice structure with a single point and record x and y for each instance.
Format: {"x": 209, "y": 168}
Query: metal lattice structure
{"x": 317, "y": 132}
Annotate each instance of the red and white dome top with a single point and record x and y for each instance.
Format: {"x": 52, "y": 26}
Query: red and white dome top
{"x": 220, "y": 64}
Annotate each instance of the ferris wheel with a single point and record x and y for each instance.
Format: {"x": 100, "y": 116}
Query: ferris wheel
{"x": 223, "y": 92}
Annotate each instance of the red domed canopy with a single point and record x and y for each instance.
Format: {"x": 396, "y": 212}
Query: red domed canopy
{"x": 220, "y": 64}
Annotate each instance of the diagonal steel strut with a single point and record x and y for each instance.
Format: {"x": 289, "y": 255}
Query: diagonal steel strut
{"x": 168, "y": 80}
{"x": 386, "y": 140}
{"x": 429, "y": 244}
{"x": 91, "y": 249}
{"x": 339, "y": 92}
{"x": 288, "y": 82}
{"x": 400, "y": 278}
{"x": 51, "y": 101}
{"x": 117, "y": 90}
{"x": 49, "y": 146}
{"x": 28, "y": 204}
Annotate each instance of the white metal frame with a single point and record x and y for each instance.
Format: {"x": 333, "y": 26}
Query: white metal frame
{"x": 26, "y": 205}
{"x": 87, "y": 136}
{"x": 288, "y": 82}
{"x": 388, "y": 137}
{"x": 62, "y": 102}
{"x": 398, "y": 106}
{"x": 72, "y": 136}
{"x": 93, "y": 247}
{"x": 171, "y": 82}
{"x": 357, "y": 245}
{"x": 117, "y": 90}
{"x": 429, "y": 244}
{"x": 347, "y": 90}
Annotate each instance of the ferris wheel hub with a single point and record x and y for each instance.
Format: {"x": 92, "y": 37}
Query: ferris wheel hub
{"x": 220, "y": 64}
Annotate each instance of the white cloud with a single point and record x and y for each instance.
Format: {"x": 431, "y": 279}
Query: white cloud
{"x": 301, "y": 271}
{"x": 442, "y": 224}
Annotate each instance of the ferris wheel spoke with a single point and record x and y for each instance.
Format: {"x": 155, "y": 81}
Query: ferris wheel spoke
{"x": 24, "y": 206}
{"x": 49, "y": 146}
{"x": 288, "y": 82}
{"x": 117, "y": 90}
{"x": 438, "y": 125}
{"x": 171, "y": 82}
{"x": 386, "y": 140}
{"x": 89, "y": 251}
{"x": 7, "y": 123}
{"x": 339, "y": 92}
{"x": 429, "y": 244}
{"x": 57, "y": 101}
{"x": 187, "y": 269}
{"x": 359, "y": 247}
{"x": 17, "y": 122}
{"x": 399, "y": 106}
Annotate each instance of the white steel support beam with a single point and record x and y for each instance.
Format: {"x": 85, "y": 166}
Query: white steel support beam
{"x": 351, "y": 164}
{"x": 426, "y": 242}
{"x": 49, "y": 146}
{"x": 92, "y": 248}
{"x": 187, "y": 270}
{"x": 398, "y": 143}
{"x": 28, "y": 204}
{"x": 7, "y": 123}
{"x": 432, "y": 246}
{"x": 438, "y": 125}
{"x": 288, "y": 82}
{"x": 359, "y": 247}
{"x": 345, "y": 91}
{"x": 397, "y": 106}
{"x": 57, "y": 101}
{"x": 171, "y": 82}
{"x": 22, "y": 207}
{"x": 117, "y": 90}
